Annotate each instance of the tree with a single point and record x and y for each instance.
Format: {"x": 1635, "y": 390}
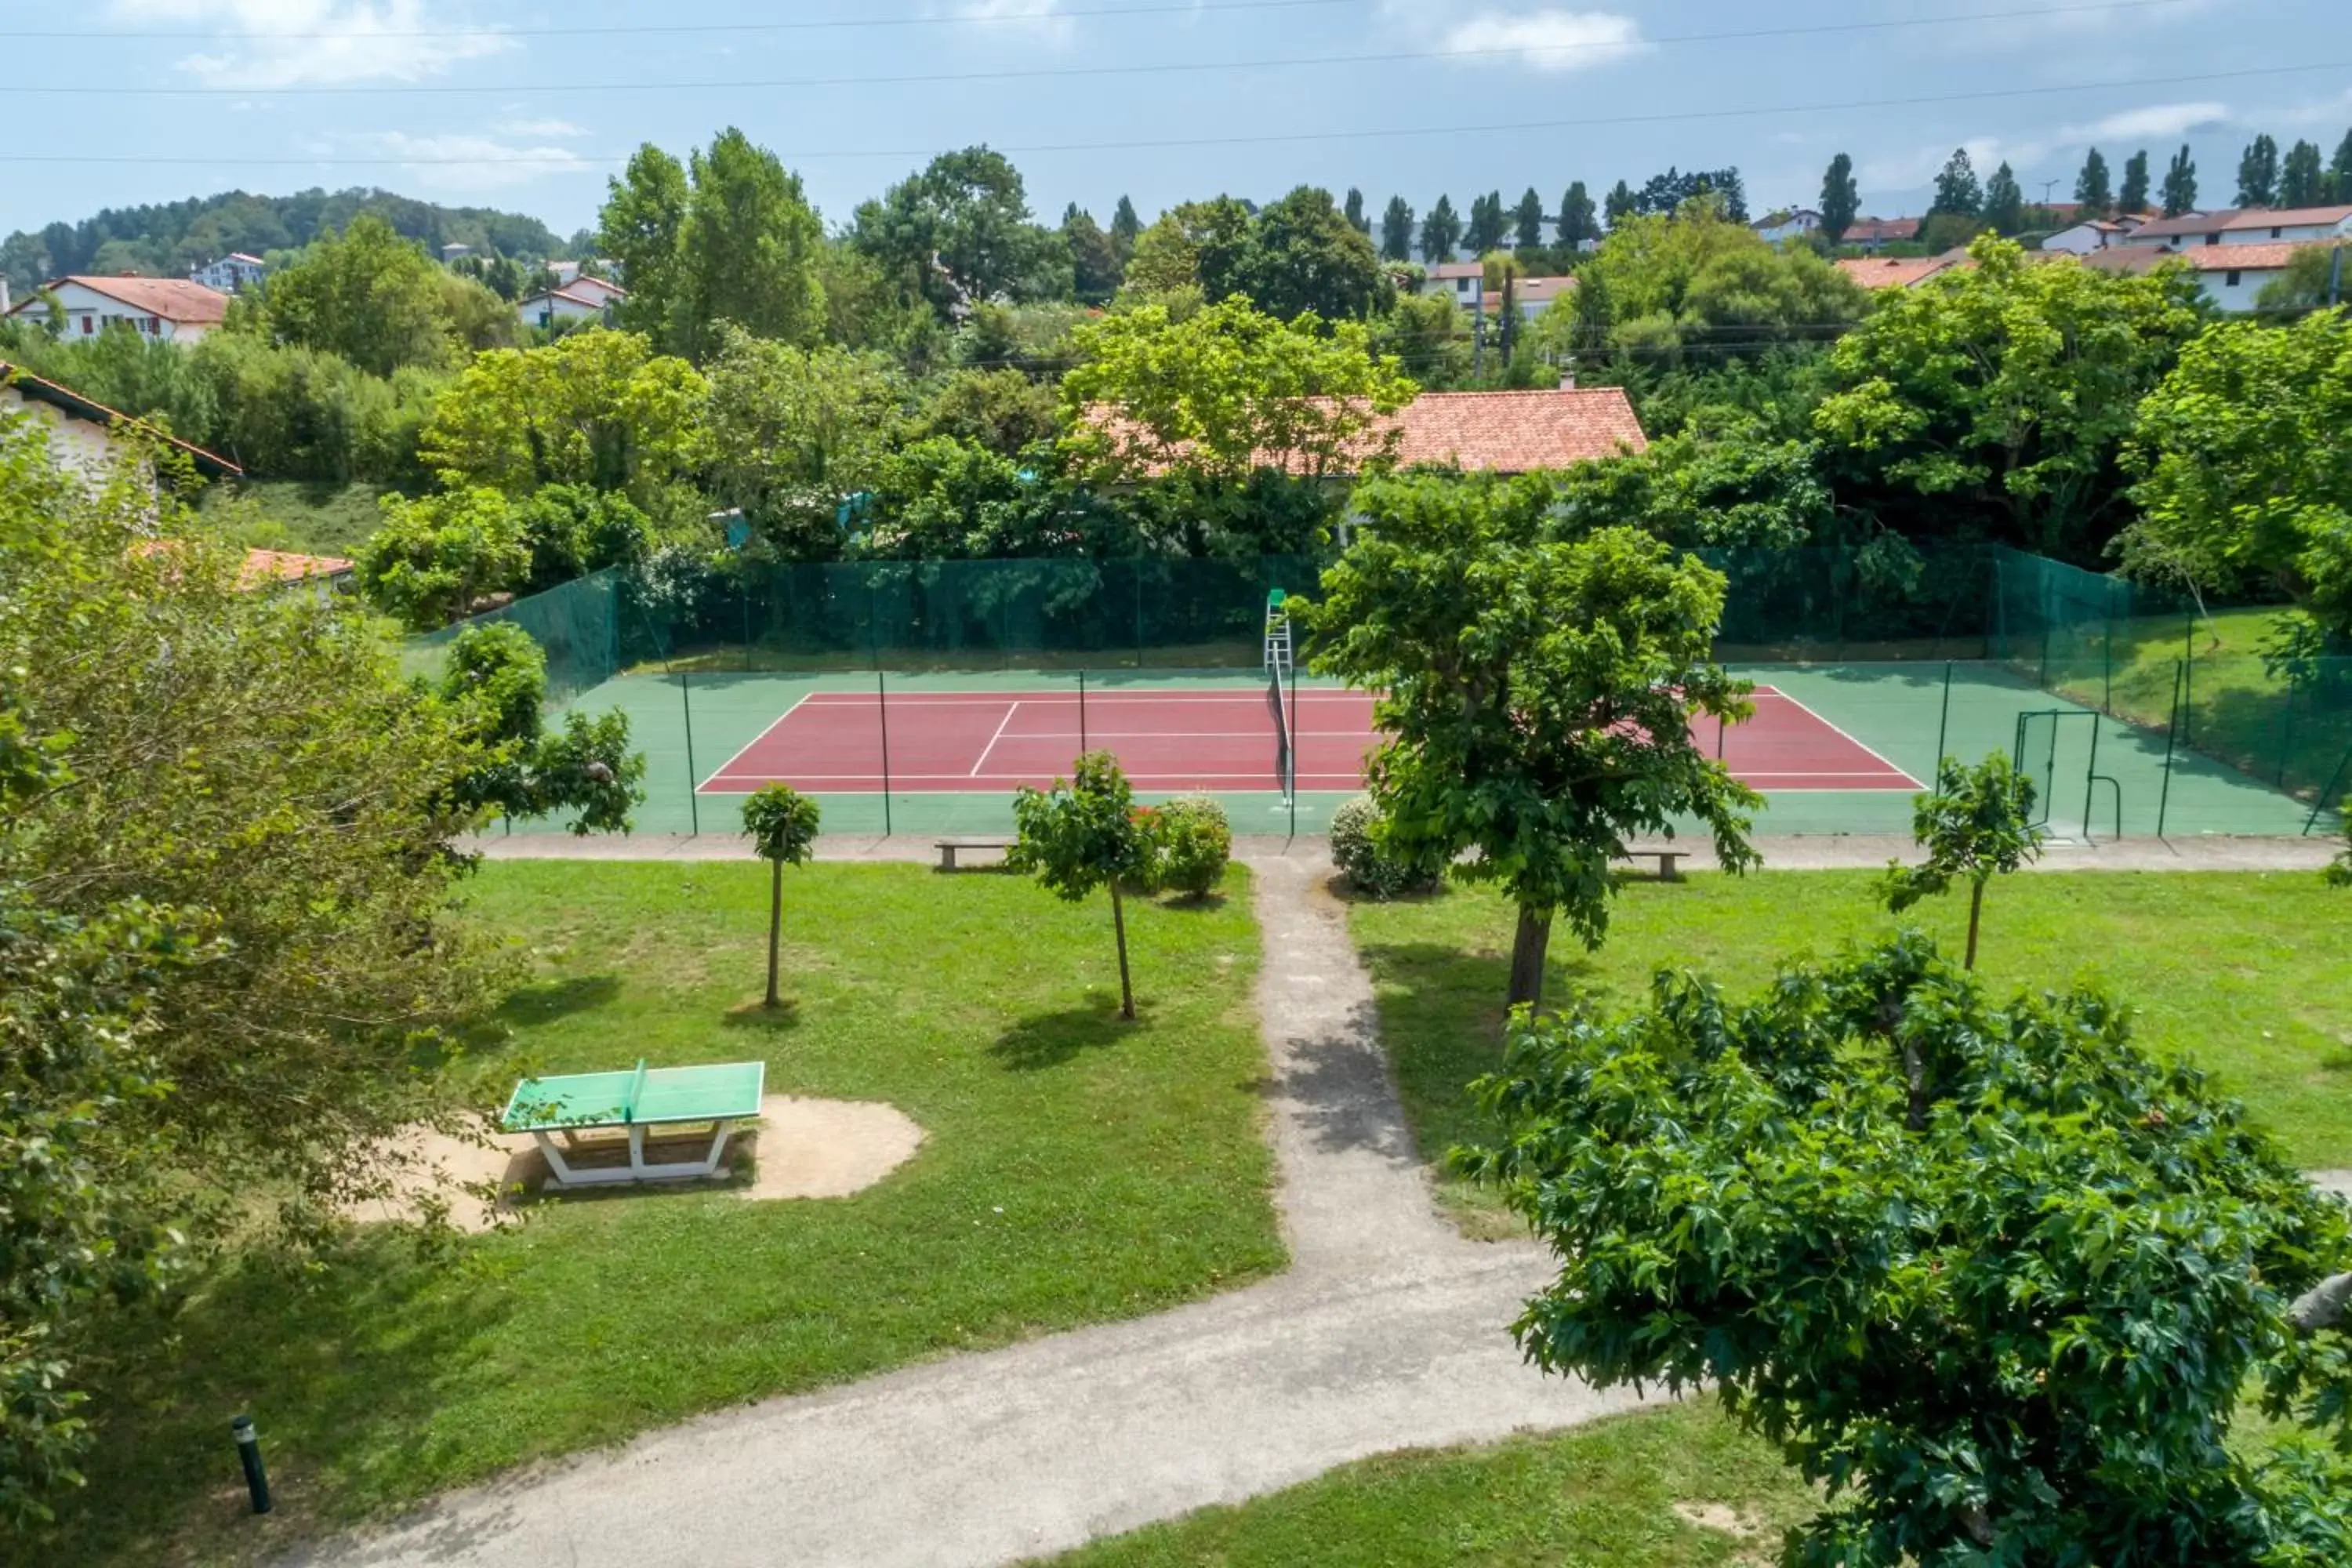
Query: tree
{"x": 2133, "y": 198}
{"x": 596, "y": 408}
{"x": 1578, "y": 223}
{"x": 2003, "y": 391}
{"x": 748, "y": 246}
{"x": 1957, "y": 190}
{"x": 2003, "y": 1284}
{"x": 782, "y": 824}
{"x": 1668, "y": 281}
{"x": 1396, "y": 231}
{"x": 2340, "y": 171}
{"x": 1357, "y": 220}
{"x": 2339, "y": 870}
{"x": 959, "y": 232}
{"x": 1621, "y": 204}
{"x": 1539, "y": 692}
{"x": 2092, "y": 189}
{"x": 1094, "y": 260}
{"x": 496, "y": 680}
{"x": 1224, "y": 392}
{"x": 1440, "y": 232}
{"x": 1081, "y": 835}
{"x": 789, "y": 431}
{"x": 1488, "y": 223}
{"x": 1976, "y": 824}
{"x": 2243, "y": 456}
{"x": 2004, "y": 203}
{"x": 2314, "y": 278}
{"x": 1303, "y": 254}
{"x": 2302, "y": 178}
{"x": 435, "y": 558}
{"x": 2180, "y": 183}
{"x": 1193, "y": 245}
{"x": 1841, "y": 199}
{"x": 369, "y": 296}
{"x": 2258, "y": 173}
{"x": 1125, "y": 226}
{"x": 1527, "y": 220}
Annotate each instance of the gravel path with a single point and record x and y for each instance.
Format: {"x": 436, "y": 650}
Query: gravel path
{"x": 1389, "y": 1332}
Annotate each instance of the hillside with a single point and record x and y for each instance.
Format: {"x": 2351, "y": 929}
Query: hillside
{"x": 166, "y": 239}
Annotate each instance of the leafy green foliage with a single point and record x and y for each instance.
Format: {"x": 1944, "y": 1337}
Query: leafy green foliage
{"x": 2092, "y": 189}
{"x": 1081, "y": 835}
{"x": 1224, "y": 392}
{"x": 959, "y": 232}
{"x": 1538, "y": 689}
{"x": 2017, "y": 1330}
{"x": 1976, "y": 824}
{"x": 434, "y": 558}
{"x": 1192, "y": 842}
{"x": 1303, "y": 254}
{"x": 1359, "y": 850}
{"x": 1841, "y": 198}
{"x": 594, "y": 409}
{"x": 376, "y": 300}
{"x": 1441, "y": 231}
{"x": 782, "y": 824}
{"x": 789, "y": 431}
{"x": 496, "y": 684}
{"x": 2002, "y": 392}
{"x": 2180, "y": 183}
{"x": 2339, "y": 870}
{"x": 2244, "y": 459}
{"x": 1720, "y": 482}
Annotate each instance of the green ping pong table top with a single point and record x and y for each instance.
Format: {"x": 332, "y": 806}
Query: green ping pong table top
{"x": 640, "y": 1096}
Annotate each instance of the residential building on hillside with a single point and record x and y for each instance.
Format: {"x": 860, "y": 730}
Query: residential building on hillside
{"x": 2232, "y": 275}
{"x": 232, "y": 274}
{"x": 1874, "y": 234}
{"x": 85, "y": 437}
{"x": 2092, "y": 234}
{"x": 453, "y": 250}
{"x": 1464, "y": 282}
{"x": 593, "y": 287}
{"x": 1531, "y": 297}
{"x": 1786, "y": 223}
{"x": 173, "y": 309}
{"x": 1899, "y": 271}
{"x": 577, "y": 303}
{"x": 2246, "y": 226}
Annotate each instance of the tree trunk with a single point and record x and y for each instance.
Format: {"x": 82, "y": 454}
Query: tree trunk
{"x": 1528, "y": 951}
{"x": 1976, "y": 913}
{"x": 775, "y": 924}
{"x": 1118, "y": 924}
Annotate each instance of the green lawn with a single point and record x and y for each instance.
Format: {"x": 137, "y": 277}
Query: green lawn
{"x": 307, "y": 518}
{"x": 1676, "y": 1488}
{"x": 2244, "y": 974}
{"x": 1076, "y": 1170}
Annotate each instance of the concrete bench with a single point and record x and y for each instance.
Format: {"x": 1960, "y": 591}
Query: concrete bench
{"x": 1670, "y": 861}
{"x": 949, "y": 849}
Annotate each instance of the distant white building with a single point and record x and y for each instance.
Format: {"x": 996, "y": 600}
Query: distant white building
{"x": 2246, "y": 226}
{"x": 582, "y": 300}
{"x": 232, "y": 274}
{"x": 453, "y": 250}
{"x": 2232, "y": 275}
{"x": 1786, "y": 223}
{"x": 2092, "y": 234}
{"x": 176, "y": 309}
{"x": 1464, "y": 282}
{"x": 1531, "y": 297}
{"x": 590, "y": 286}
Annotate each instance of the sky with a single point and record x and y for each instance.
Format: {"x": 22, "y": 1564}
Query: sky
{"x": 529, "y": 107}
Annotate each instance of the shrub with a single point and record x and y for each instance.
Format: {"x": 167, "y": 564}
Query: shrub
{"x": 1369, "y": 869}
{"x": 1190, "y": 842}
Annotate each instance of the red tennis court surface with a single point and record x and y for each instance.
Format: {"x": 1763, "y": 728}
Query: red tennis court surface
{"x": 940, "y": 742}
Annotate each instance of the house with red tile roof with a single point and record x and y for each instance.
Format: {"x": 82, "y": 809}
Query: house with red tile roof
{"x": 173, "y": 309}
{"x": 582, "y": 302}
{"x": 2232, "y": 275}
{"x": 282, "y": 569}
{"x": 86, "y": 435}
{"x": 2246, "y": 226}
{"x": 1872, "y": 234}
{"x": 1876, "y": 272}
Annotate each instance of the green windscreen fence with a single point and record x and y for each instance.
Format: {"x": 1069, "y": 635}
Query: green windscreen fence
{"x": 1913, "y": 653}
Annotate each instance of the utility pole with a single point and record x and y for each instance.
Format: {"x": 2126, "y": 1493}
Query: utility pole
{"x": 2336, "y": 279}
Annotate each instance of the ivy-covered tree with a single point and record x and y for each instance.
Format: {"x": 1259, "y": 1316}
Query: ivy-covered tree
{"x": 2006, "y": 1287}
{"x": 782, "y": 824}
{"x": 2093, "y": 190}
{"x": 1841, "y": 199}
{"x": 1537, "y": 690}
{"x": 1082, "y": 836}
{"x": 1974, "y": 825}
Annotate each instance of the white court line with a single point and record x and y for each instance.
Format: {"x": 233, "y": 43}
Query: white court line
{"x": 755, "y": 740}
{"x": 1903, "y": 772}
{"x": 968, "y": 698}
{"x": 1259, "y": 734}
{"x": 1009, "y": 712}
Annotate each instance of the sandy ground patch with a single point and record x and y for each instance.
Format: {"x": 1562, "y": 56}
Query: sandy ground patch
{"x": 801, "y": 1149}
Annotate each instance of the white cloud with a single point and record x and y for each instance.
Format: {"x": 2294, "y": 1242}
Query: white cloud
{"x": 551, "y": 128}
{"x": 1040, "y": 17}
{"x": 314, "y": 43}
{"x": 1547, "y": 40}
{"x": 2155, "y": 120}
{"x": 462, "y": 161}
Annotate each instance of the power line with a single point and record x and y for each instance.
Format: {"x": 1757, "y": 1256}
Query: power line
{"x": 1133, "y": 68}
{"x": 583, "y": 162}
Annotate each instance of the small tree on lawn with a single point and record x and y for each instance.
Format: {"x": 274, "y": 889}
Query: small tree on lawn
{"x": 1537, "y": 690}
{"x": 2019, "y": 1329}
{"x": 1081, "y": 835}
{"x": 783, "y": 824}
{"x": 2339, "y": 872}
{"x": 1978, "y": 824}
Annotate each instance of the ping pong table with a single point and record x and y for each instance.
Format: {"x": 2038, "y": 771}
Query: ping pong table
{"x": 556, "y": 1110}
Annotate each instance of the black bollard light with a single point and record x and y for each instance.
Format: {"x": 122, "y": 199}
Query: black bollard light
{"x": 248, "y": 1453}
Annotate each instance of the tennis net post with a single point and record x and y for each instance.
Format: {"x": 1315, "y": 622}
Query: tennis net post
{"x": 637, "y": 1088}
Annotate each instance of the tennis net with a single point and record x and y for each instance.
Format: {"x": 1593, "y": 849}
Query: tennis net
{"x": 1284, "y": 755}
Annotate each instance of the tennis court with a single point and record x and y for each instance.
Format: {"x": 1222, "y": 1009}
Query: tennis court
{"x": 1210, "y": 742}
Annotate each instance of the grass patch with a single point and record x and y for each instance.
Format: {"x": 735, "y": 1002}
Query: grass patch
{"x": 1077, "y": 1169}
{"x": 1676, "y": 1488}
{"x": 2241, "y": 974}
{"x": 307, "y": 517}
